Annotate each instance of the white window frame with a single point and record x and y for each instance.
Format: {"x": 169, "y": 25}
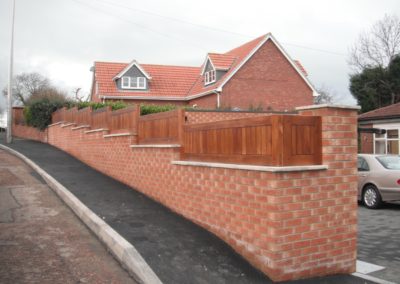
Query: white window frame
{"x": 133, "y": 83}
{"x": 384, "y": 137}
{"x": 210, "y": 77}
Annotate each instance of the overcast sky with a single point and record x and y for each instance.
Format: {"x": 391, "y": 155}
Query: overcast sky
{"x": 62, "y": 38}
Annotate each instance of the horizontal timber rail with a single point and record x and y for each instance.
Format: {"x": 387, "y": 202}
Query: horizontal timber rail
{"x": 275, "y": 140}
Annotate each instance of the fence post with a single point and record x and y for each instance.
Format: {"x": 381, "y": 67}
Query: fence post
{"x": 277, "y": 139}
{"x": 137, "y": 122}
{"x": 181, "y": 125}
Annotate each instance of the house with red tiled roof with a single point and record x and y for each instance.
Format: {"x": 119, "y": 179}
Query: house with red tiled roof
{"x": 258, "y": 73}
{"x": 385, "y": 122}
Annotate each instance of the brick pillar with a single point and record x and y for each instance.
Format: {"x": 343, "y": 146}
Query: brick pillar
{"x": 330, "y": 246}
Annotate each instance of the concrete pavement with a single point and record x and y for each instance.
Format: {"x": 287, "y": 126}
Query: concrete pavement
{"x": 41, "y": 240}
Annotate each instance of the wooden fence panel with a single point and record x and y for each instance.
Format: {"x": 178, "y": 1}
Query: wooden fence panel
{"x": 58, "y": 115}
{"x": 84, "y": 116}
{"x": 18, "y": 115}
{"x": 161, "y": 128}
{"x": 248, "y": 140}
{"x": 70, "y": 114}
{"x": 274, "y": 140}
{"x": 101, "y": 118}
{"x": 302, "y": 140}
{"x": 124, "y": 119}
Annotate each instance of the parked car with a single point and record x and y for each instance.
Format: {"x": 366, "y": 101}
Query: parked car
{"x": 378, "y": 179}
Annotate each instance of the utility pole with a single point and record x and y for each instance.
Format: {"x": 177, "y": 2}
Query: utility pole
{"x": 10, "y": 76}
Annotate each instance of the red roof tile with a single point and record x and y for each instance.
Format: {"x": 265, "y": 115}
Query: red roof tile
{"x": 221, "y": 61}
{"x": 390, "y": 111}
{"x": 177, "y": 81}
{"x": 167, "y": 81}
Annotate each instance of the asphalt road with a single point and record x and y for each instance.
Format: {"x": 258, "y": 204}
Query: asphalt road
{"x": 379, "y": 239}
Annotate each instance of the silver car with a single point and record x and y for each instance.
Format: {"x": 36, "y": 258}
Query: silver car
{"x": 378, "y": 179}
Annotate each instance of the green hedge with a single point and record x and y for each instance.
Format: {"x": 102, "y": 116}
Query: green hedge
{"x": 148, "y": 109}
{"x": 114, "y": 105}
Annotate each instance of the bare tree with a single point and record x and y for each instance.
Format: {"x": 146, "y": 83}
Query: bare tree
{"x": 377, "y": 47}
{"x": 325, "y": 96}
{"x": 78, "y": 96}
{"x": 27, "y": 84}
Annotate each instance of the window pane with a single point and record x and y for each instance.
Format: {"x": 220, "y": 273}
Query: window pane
{"x": 390, "y": 162}
{"x": 392, "y": 133}
{"x": 133, "y": 82}
{"x": 393, "y": 147}
{"x": 125, "y": 82}
{"x": 362, "y": 164}
{"x": 142, "y": 82}
{"x": 380, "y": 147}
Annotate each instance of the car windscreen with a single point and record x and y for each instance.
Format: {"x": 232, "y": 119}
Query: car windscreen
{"x": 390, "y": 162}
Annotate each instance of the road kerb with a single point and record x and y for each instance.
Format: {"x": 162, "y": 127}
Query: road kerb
{"x": 123, "y": 251}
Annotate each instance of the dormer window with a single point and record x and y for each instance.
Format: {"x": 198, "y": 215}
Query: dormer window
{"x": 209, "y": 77}
{"x": 136, "y": 83}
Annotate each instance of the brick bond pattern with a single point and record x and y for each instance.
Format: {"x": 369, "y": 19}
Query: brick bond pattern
{"x": 289, "y": 225}
{"x": 23, "y": 131}
{"x": 193, "y": 117}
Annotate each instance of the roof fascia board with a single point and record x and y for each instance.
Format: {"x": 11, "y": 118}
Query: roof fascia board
{"x": 133, "y": 63}
{"x": 152, "y": 98}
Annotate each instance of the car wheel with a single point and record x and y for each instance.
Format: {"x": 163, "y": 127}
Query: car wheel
{"x": 371, "y": 197}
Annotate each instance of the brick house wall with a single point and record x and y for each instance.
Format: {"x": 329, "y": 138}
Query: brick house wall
{"x": 269, "y": 80}
{"x": 366, "y": 141}
{"x": 289, "y": 225}
{"x": 208, "y": 102}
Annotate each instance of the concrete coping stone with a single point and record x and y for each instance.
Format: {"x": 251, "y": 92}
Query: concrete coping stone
{"x": 252, "y": 167}
{"x": 156, "y": 146}
{"x": 349, "y": 107}
{"x": 68, "y": 124}
{"x": 119, "y": 134}
{"x": 80, "y": 127}
{"x": 96, "y": 130}
{"x": 126, "y": 254}
{"x": 56, "y": 123}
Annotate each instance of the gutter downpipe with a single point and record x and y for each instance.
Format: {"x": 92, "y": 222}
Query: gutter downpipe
{"x": 218, "y": 93}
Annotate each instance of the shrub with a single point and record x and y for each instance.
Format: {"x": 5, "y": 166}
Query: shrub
{"x": 38, "y": 113}
{"x": 114, "y": 105}
{"x": 148, "y": 109}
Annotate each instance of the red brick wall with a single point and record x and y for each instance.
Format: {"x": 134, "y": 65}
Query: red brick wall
{"x": 209, "y": 102}
{"x": 366, "y": 141}
{"x": 209, "y": 116}
{"x": 289, "y": 225}
{"x": 27, "y": 132}
{"x": 267, "y": 79}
